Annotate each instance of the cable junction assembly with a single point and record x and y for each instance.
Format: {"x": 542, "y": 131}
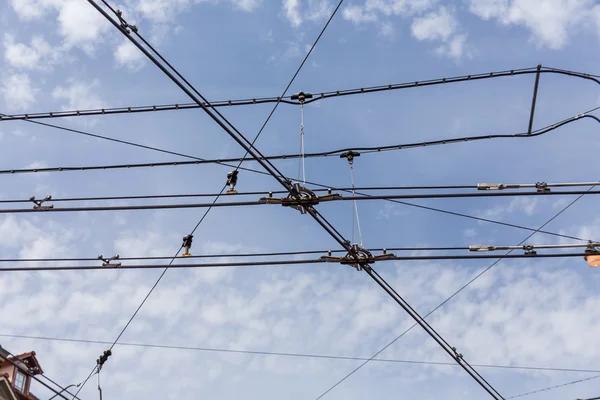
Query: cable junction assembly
{"x": 108, "y": 262}
{"x": 307, "y": 199}
{"x": 359, "y": 258}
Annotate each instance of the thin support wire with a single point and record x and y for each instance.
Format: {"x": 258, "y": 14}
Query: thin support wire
{"x": 355, "y": 206}
{"x": 99, "y": 387}
{"x": 301, "y": 160}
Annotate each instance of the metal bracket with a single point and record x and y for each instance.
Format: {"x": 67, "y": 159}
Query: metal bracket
{"x": 307, "y": 199}
{"x": 38, "y": 203}
{"x": 102, "y": 359}
{"x": 349, "y": 155}
{"x": 106, "y": 262}
{"x": 187, "y": 244}
{"x": 124, "y": 25}
{"x": 232, "y": 181}
{"x": 358, "y": 258}
{"x": 542, "y": 187}
{"x": 301, "y": 96}
{"x": 529, "y": 250}
{"x": 457, "y": 356}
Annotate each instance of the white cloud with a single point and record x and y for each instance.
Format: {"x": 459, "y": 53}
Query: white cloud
{"x": 78, "y": 22}
{"x": 551, "y": 22}
{"x": 291, "y": 9}
{"x": 18, "y": 91}
{"x": 523, "y": 205}
{"x": 38, "y": 55}
{"x": 358, "y": 14}
{"x": 128, "y": 55}
{"x": 436, "y": 25}
{"x": 79, "y": 95}
{"x": 441, "y": 25}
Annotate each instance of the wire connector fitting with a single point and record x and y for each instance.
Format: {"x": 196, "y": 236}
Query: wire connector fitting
{"x": 102, "y": 359}
{"x": 124, "y": 25}
{"x": 232, "y": 181}
{"x": 187, "y": 244}
{"x": 107, "y": 262}
{"x": 38, "y": 203}
{"x": 307, "y": 198}
{"x": 301, "y": 96}
{"x": 358, "y": 258}
{"x": 350, "y": 155}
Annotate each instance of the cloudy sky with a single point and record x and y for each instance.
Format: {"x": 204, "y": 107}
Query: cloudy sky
{"x": 62, "y": 55}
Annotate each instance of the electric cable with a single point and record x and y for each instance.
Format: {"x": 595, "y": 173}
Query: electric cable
{"x": 451, "y": 351}
{"x": 297, "y": 355}
{"x": 554, "y": 387}
{"x": 487, "y": 220}
{"x": 237, "y": 194}
{"x": 236, "y": 255}
{"x": 288, "y": 201}
{"x": 505, "y": 255}
{"x": 317, "y": 96}
{"x": 329, "y": 153}
{"x": 276, "y": 262}
{"x": 223, "y": 122}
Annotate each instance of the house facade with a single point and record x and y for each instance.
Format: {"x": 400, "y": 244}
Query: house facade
{"x": 14, "y": 383}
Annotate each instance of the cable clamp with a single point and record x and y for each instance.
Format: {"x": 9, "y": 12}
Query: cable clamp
{"x": 457, "y": 356}
{"x": 358, "y": 258}
{"x": 232, "y": 181}
{"x": 529, "y": 250}
{"x": 124, "y": 25}
{"x": 301, "y": 96}
{"x": 349, "y": 155}
{"x": 542, "y": 187}
{"x": 301, "y": 199}
{"x": 106, "y": 262}
{"x": 100, "y": 361}
{"x": 187, "y": 244}
{"x": 38, "y": 203}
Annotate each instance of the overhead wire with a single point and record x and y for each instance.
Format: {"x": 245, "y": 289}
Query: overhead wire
{"x": 453, "y": 295}
{"x": 297, "y": 355}
{"x": 317, "y": 96}
{"x": 273, "y": 262}
{"x": 301, "y": 156}
{"x": 554, "y": 387}
{"x": 223, "y": 122}
{"x": 463, "y": 215}
{"x": 288, "y": 202}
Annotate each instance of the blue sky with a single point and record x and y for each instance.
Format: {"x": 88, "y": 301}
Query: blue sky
{"x": 61, "y": 55}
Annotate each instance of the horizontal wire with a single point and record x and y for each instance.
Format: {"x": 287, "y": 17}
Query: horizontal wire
{"x": 256, "y": 193}
{"x": 237, "y": 255}
{"x": 554, "y": 387}
{"x": 264, "y": 193}
{"x": 283, "y": 262}
{"x": 330, "y": 153}
{"x": 288, "y": 100}
{"x": 298, "y": 355}
{"x": 289, "y": 202}
{"x": 447, "y": 212}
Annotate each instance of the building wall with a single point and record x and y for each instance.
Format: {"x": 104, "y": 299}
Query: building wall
{"x": 7, "y": 369}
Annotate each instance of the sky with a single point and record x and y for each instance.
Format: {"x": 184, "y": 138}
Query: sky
{"x": 63, "y": 55}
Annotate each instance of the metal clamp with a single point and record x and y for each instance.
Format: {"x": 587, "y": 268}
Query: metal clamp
{"x": 542, "y": 187}
{"x": 38, "y": 203}
{"x": 232, "y": 181}
{"x": 529, "y": 250}
{"x": 187, "y": 244}
{"x": 458, "y": 356}
{"x": 307, "y": 199}
{"x": 124, "y": 25}
{"x": 301, "y": 96}
{"x": 106, "y": 262}
{"x": 103, "y": 358}
{"x": 358, "y": 258}
{"x": 349, "y": 155}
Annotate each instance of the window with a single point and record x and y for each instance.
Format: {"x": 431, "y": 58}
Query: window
{"x": 19, "y": 382}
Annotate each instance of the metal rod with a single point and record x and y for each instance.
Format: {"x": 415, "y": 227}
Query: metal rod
{"x": 534, "y": 100}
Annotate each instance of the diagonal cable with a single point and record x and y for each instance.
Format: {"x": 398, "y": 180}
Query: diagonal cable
{"x": 339, "y": 382}
{"x": 555, "y": 387}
